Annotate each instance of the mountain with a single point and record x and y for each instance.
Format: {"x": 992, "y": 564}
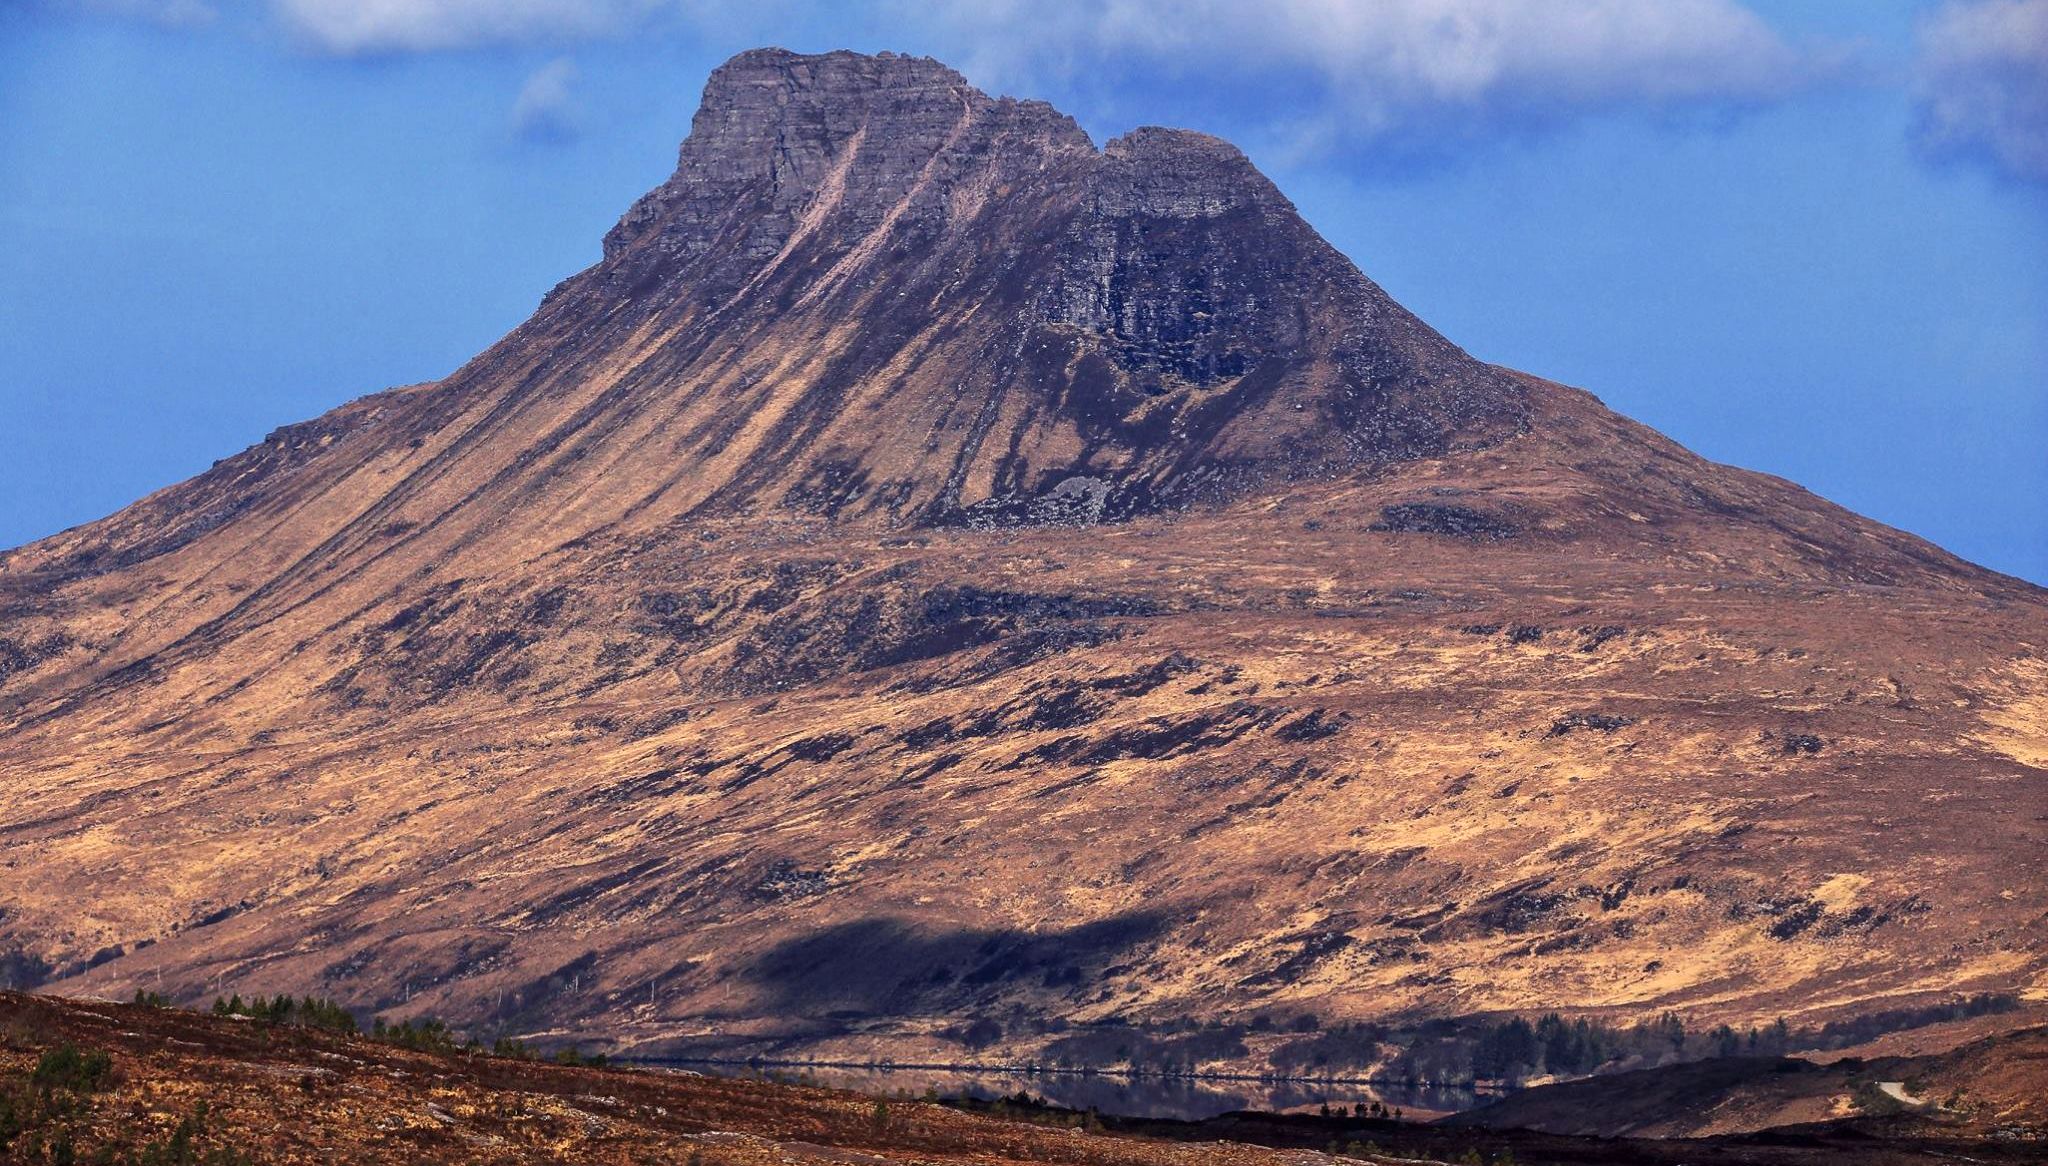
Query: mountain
{"x": 937, "y": 583}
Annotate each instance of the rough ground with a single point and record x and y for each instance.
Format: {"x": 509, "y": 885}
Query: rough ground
{"x": 933, "y": 569}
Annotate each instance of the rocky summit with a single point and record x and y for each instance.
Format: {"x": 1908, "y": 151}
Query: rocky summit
{"x": 939, "y": 588}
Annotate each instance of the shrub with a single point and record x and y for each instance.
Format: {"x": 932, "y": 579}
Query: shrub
{"x": 70, "y": 1068}
{"x": 12, "y": 1119}
{"x": 181, "y": 1148}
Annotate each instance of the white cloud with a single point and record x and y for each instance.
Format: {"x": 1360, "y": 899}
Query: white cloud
{"x": 546, "y": 106}
{"x": 1982, "y": 83}
{"x": 353, "y": 27}
{"x": 1389, "y": 63}
{"x": 1387, "y": 57}
{"x": 1362, "y": 68}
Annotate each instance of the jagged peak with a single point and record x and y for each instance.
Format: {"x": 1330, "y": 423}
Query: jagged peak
{"x": 776, "y": 127}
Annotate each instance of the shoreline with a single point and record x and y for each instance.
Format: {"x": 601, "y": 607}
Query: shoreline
{"x": 1492, "y": 1090}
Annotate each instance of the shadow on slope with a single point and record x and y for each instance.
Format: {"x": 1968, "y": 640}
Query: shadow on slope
{"x": 888, "y": 967}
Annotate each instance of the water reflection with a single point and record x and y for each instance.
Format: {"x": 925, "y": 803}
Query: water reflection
{"x": 1171, "y": 1097}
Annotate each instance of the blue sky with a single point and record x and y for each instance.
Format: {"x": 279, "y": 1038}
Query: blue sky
{"x": 1805, "y": 237}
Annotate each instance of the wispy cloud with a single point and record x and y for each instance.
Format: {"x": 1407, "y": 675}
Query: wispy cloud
{"x": 1982, "y": 84}
{"x": 546, "y": 107}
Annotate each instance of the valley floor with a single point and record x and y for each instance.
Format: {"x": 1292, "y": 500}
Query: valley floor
{"x": 86, "y": 1082}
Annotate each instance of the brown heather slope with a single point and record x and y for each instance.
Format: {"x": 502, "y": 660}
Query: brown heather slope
{"x": 934, "y": 568}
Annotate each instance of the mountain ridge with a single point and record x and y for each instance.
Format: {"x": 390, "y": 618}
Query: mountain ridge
{"x": 931, "y": 567}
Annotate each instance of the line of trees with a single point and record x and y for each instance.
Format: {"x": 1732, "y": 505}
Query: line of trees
{"x": 425, "y": 1034}
{"x": 1516, "y": 1048}
{"x": 305, "y": 1011}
